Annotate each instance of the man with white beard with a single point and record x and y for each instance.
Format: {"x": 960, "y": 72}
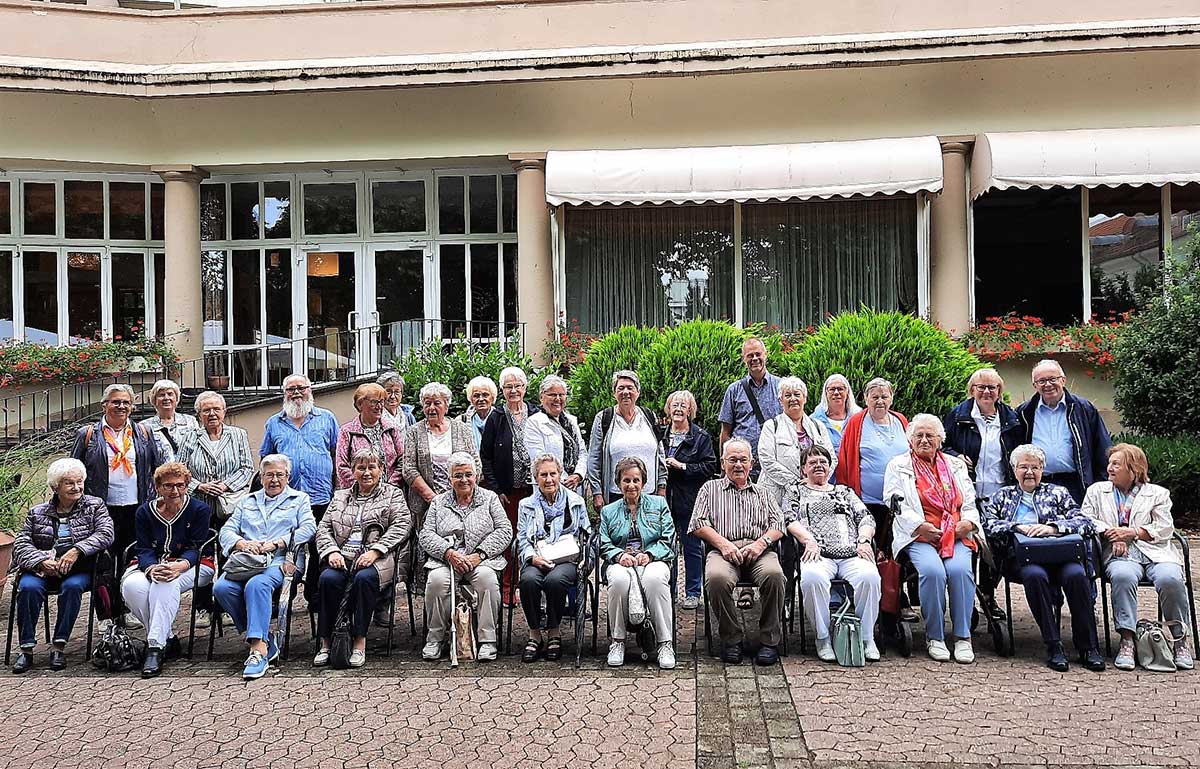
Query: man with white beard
{"x": 307, "y": 434}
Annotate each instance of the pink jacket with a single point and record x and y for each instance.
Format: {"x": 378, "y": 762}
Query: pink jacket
{"x": 351, "y": 438}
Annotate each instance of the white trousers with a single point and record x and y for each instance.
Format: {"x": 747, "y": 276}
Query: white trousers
{"x": 437, "y": 601}
{"x": 155, "y": 604}
{"x": 862, "y": 575}
{"x": 656, "y": 580}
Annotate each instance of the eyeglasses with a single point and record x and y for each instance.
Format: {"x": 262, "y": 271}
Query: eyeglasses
{"x": 374, "y": 402}
{"x": 120, "y": 404}
{"x": 173, "y": 485}
{"x": 297, "y": 388}
{"x": 1047, "y": 381}
{"x": 987, "y": 388}
{"x": 275, "y": 474}
{"x": 513, "y": 386}
{"x": 738, "y": 460}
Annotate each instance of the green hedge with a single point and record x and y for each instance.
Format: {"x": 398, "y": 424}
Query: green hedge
{"x": 454, "y": 364}
{"x": 1174, "y": 463}
{"x": 591, "y": 380}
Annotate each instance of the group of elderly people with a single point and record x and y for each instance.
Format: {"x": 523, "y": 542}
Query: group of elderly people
{"x": 388, "y": 498}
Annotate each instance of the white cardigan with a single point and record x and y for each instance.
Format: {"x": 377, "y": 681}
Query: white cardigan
{"x": 1151, "y": 511}
{"x": 544, "y": 437}
{"x": 901, "y": 480}
{"x": 779, "y": 453}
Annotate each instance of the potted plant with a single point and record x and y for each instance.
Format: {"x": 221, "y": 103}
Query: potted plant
{"x": 217, "y": 378}
{"x": 19, "y": 489}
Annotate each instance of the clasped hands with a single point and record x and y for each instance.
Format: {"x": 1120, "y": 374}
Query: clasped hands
{"x": 365, "y": 559}
{"x": 744, "y": 554}
{"x": 932, "y": 535}
{"x": 462, "y": 563}
{"x": 633, "y": 559}
{"x": 61, "y": 566}
{"x": 1120, "y": 537}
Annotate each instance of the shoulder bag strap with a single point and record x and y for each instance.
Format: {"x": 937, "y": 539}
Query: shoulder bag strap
{"x": 753, "y": 402}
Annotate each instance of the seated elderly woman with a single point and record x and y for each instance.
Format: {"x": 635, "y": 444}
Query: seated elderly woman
{"x": 936, "y": 527}
{"x": 1134, "y": 519}
{"x": 786, "y": 437}
{"x": 55, "y": 550}
{"x": 1035, "y": 509}
{"x": 168, "y": 425}
{"x": 544, "y": 519}
{"x": 275, "y": 520}
{"x": 467, "y": 530}
{"x": 218, "y": 457}
{"x": 172, "y": 530}
{"x": 371, "y": 429}
{"x": 351, "y": 554}
{"x": 481, "y": 394}
{"x": 835, "y": 528}
{"x": 636, "y": 543}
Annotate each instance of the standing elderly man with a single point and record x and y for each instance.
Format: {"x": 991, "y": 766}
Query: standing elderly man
{"x": 307, "y": 434}
{"x": 752, "y": 400}
{"x": 1068, "y": 429}
{"x": 740, "y": 522}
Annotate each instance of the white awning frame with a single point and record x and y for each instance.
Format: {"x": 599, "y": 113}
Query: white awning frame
{"x": 745, "y": 173}
{"x": 1085, "y": 158}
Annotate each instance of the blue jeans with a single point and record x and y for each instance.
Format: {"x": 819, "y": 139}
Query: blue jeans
{"x": 935, "y": 574}
{"x": 693, "y": 556}
{"x": 249, "y": 602}
{"x": 32, "y": 592}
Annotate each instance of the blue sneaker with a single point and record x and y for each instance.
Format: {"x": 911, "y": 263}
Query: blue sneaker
{"x": 272, "y": 648}
{"x": 256, "y": 666}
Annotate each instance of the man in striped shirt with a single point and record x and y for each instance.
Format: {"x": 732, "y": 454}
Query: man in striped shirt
{"x": 740, "y": 522}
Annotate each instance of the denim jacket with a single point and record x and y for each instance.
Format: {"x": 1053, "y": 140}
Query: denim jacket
{"x": 531, "y": 523}
{"x": 261, "y": 519}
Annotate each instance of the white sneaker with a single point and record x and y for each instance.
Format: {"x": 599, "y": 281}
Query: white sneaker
{"x": 616, "y": 654}
{"x": 825, "y": 650}
{"x": 1183, "y": 655}
{"x": 1125, "y": 659}
{"x": 963, "y": 653}
{"x": 487, "y": 652}
{"x": 666, "y": 656}
{"x": 358, "y": 658}
{"x": 871, "y": 651}
{"x": 132, "y": 622}
{"x": 203, "y": 618}
{"x": 322, "y": 659}
{"x": 938, "y": 651}
{"x": 432, "y": 651}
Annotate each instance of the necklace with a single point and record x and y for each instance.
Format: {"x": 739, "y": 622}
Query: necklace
{"x": 888, "y": 434}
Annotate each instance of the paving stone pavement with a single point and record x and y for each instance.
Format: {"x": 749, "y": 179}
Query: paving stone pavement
{"x": 900, "y": 712}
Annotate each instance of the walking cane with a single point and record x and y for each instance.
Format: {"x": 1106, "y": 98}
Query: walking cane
{"x": 453, "y": 619}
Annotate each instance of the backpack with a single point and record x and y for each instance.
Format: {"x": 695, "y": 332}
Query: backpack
{"x": 116, "y": 651}
{"x": 606, "y": 418}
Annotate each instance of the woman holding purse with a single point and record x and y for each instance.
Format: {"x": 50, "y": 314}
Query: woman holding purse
{"x": 636, "y": 533}
{"x": 548, "y": 552}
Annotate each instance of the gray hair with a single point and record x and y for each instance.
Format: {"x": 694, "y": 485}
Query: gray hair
{"x": 878, "y": 382}
{"x": 551, "y": 381}
{"x": 793, "y": 383}
{"x": 277, "y": 460}
{"x": 1046, "y": 362}
{"x": 208, "y": 395}
{"x": 852, "y": 406}
{"x": 739, "y": 442}
{"x": 435, "y": 390}
{"x": 626, "y": 374}
{"x": 1026, "y": 450}
{"x": 689, "y": 401}
{"x": 113, "y": 388}
{"x": 514, "y": 372}
{"x": 61, "y": 468}
{"x": 460, "y": 459}
{"x": 164, "y": 384}
{"x": 366, "y": 454}
{"x": 296, "y": 377}
{"x": 389, "y": 378}
{"x": 480, "y": 381}
{"x": 928, "y": 420}
{"x": 543, "y": 459}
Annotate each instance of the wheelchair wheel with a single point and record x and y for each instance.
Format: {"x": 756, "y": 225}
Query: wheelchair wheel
{"x": 1000, "y": 639}
{"x": 904, "y": 639}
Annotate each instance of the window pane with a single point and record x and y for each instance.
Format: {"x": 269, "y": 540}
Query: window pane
{"x": 510, "y": 288}
{"x": 39, "y": 208}
{"x": 41, "y": 296}
{"x": 399, "y": 297}
{"x": 330, "y": 300}
{"x": 5, "y": 208}
{"x": 1185, "y": 215}
{"x": 212, "y": 212}
{"x": 279, "y": 295}
{"x": 1032, "y": 233}
{"x": 247, "y": 297}
{"x": 160, "y": 287}
{"x": 83, "y": 295}
{"x": 1125, "y": 244}
{"x": 508, "y": 184}
{"x": 126, "y": 210}
{"x": 277, "y": 220}
{"x": 212, "y": 274}
{"x": 675, "y": 263}
{"x": 452, "y": 276}
{"x": 485, "y": 291}
{"x": 158, "y": 194}
{"x": 451, "y": 216}
{"x": 330, "y": 209}
{"x": 803, "y": 260}
{"x": 84, "y": 204}
{"x": 398, "y": 206}
{"x": 483, "y": 204}
{"x": 6, "y": 295}
{"x": 128, "y": 295}
{"x": 243, "y": 211}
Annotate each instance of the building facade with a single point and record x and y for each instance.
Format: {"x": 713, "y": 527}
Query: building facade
{"x": 364, "y": 175}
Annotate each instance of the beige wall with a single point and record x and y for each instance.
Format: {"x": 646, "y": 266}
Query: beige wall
{"x": 253, "y": 420}
{"x": 1018, "y": 383}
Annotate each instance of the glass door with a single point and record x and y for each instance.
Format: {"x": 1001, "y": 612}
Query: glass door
{"x": 396, "y": 301}
{"x": 332, "y": 302}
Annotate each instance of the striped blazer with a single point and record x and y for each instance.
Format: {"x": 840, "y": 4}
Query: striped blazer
{"x": 418, "y": 461}
{"x": 226, "y": 461}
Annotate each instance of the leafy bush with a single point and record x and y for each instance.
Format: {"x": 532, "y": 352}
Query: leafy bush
{"x": 565, "y": 349}
{"x": 31, "y": 363}
{"x": 1157, "y": 356}
{"x": 456, "y": 363}
{"x": 591, "y": 380}
{"x": 1174, "y": 463}
{"x": 928, "y": 368}
{"x": 18, "y": 494}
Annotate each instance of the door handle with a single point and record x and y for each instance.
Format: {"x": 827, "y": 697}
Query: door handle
{"x": 350, "y": 319}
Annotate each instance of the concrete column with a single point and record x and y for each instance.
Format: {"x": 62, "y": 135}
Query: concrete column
{"x": 950, "y": 267}
{"x": 535, "y": 268}
{"x": 183, "y": 294}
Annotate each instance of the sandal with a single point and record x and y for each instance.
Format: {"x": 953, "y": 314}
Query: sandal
{"x": 533, "y": 650}
{"x": 745, "y": 599}
{"x": 554, "y": 649}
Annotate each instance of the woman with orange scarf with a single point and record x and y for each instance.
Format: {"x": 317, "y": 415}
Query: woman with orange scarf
{"x": 936, "y": 526}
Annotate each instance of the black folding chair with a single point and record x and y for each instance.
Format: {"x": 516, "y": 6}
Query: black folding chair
{"x": 741, "y": 583}
{"x": 1106, "y": 586}
{"x": 91, "y": 609}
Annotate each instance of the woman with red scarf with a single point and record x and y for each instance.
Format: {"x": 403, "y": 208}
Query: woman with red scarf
{"x": 936, "y": 526}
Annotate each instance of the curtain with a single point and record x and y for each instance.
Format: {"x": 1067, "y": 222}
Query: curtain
{"x": 653, "y": 265}
{"x": 802, "y": 260}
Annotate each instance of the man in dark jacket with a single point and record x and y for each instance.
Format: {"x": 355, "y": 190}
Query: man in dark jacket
{"x": 1068, "y": 429}
{"x": 984, "y": 427}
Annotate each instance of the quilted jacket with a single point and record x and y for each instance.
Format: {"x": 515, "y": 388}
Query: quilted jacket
{"x": 91, "y": 531}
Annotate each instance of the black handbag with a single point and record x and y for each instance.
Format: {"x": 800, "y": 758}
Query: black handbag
{"x": 1048, "y": 551}
{"x": 117, "y": 651}
{"x": 340, "y": 645}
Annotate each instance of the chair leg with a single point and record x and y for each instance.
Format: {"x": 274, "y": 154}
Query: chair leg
{"x": 1104, "y": 611}
{"x": 1008, "y": 611}
{"x": 412, "y": 615}
{"x": 213, "y": 630}
{"x": 12, "y": 616}
{"x": 46, "y": 617}
{"x": 708, "y": 642}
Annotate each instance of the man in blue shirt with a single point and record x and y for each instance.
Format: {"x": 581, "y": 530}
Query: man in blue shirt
{"x": 1068, "y": 429}
{"x": 750, "y": 401}
{"x": 307, "y": 434}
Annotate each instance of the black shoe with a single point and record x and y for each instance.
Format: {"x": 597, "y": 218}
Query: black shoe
{"x": 153, "y": 665}
{"x": 766, "y": 656}
{"x": 1057, "y": 659}
{"x": 1092, "y": 660}
{"x": 174, "y": 649}
{"x": 58, "y": 659}
{"x": 24, "y": 662}
{"x": 732, "y": 654}
{"x": 998, "y": 614}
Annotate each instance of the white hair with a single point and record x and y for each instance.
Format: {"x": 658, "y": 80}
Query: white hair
{"x": 460, "y": 459}
{"x": 113, "y": 388}
{"x": 852, "y": 406}
{"x": 1027, "y": 450}
{"x": 928, "y": 420}
{"x": 878, "y": 382}
{"x": 164, "y": 384}
{"x": 481, "y": 381}
{"x": 61, "y": 468}
{"x": 738, "y": 442}
{"x": 515, "y": 373}
{"x": 435, "y": 390}
{"x": 543, "y": 459}
{"x": 209, "y": 395}
{"x": 1046, "y": 363}
{"x": 793, "y": 383}
{"x": 388, "y": 378}
{"x": 551, "y": 381}
{"x": 626, "y": 374}
{"x": 277, "y": 460}
{"x": 297, "y": 377}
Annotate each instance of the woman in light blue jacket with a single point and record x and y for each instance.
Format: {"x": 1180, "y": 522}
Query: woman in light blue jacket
{"x": 273, "y": 520}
